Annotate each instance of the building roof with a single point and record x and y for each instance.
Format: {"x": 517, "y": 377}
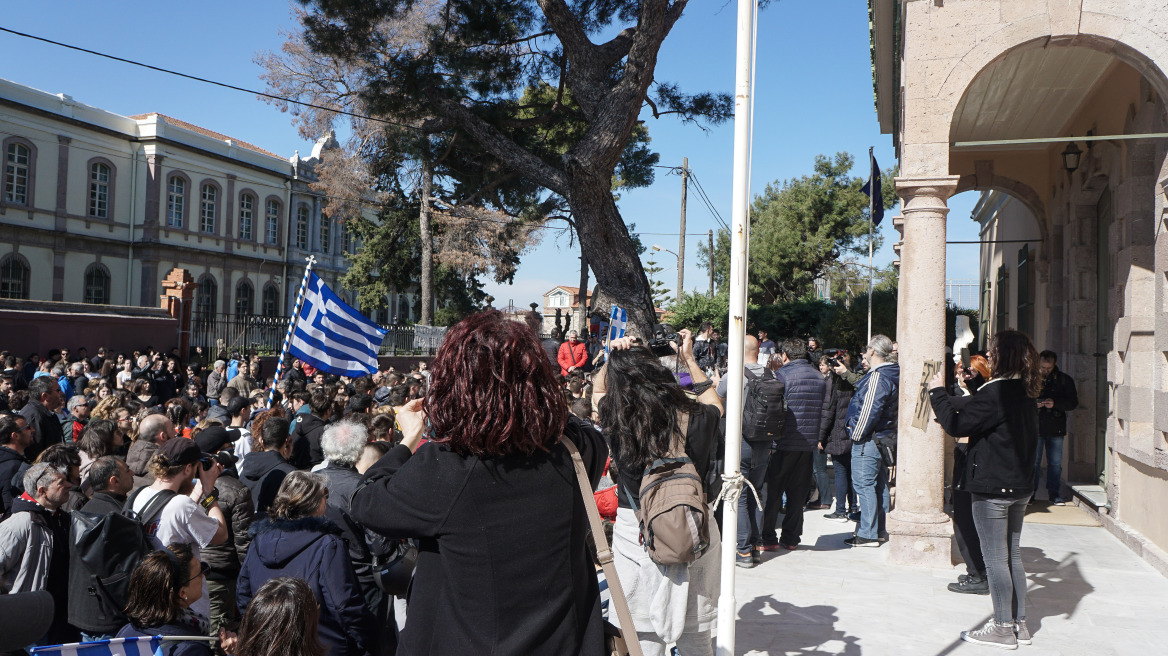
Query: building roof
{"x": 205, "y": 132}
{"x": 574, "y": 291}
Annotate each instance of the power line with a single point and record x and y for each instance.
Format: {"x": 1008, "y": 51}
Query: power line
{"x": 706, "y": 199}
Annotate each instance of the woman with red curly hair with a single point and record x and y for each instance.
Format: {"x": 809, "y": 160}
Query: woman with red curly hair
{"x": 493, "y": 500}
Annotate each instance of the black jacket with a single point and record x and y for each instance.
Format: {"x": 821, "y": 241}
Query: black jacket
{"x": 1059, "y": 387}
{"x": 833, "y": 424}
{"x": 804, "y": 398}
{"x": 503, "y": 567}
{"x": 175, "y": 628}
{"x": 263, "y": 472}
{"x": 102, "y": 503}
{"x": 46, "y": 427}
{"x": 10, "y": 463}
{"x": 306, "y": 451}
{"x": 311, "y": 549}
{"x": 235, "y": 502}
{"x": 1001, "y": 422}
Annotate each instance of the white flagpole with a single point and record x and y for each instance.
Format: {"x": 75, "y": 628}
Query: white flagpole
{"x": 743, "y": 104}
{"x": 871, "y": 224}
{"x": 291, "y": 327}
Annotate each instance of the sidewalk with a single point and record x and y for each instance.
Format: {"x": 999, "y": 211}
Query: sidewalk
{"x": 1089, "y": 595}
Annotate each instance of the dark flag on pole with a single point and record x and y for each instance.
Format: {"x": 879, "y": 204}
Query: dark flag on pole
{"x": 872, "y": 188}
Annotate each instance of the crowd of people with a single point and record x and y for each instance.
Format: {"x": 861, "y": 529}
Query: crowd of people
{"x": 285, "y": 529}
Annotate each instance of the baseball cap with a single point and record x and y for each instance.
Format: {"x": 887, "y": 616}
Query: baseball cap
{"x": 212, "y": 438}
{"x": 181, "y": 451}
{"x": 381, "y": 396}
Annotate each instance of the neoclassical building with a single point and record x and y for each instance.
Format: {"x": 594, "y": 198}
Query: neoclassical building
{"x": 1058, "y": 105}
{"x": 96, "y": 208}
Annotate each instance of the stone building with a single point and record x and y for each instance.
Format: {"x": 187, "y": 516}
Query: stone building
{"x": 97, "y": 207}
{"x": 1043, "y": 101}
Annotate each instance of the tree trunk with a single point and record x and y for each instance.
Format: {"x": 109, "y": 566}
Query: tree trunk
{"x": 582, "y": 311}
{"x": 605, "y": 240}
{"x": 427, "y": 282}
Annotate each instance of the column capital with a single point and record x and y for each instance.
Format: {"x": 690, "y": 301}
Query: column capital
{"x": 926, "y": 189}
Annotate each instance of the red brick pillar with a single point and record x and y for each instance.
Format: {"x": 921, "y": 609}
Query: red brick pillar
{"x": 177, "y": 299}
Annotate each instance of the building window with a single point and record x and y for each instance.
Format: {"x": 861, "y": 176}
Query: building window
{"x": 205, "y": 297}
{"x": 14, "y": 277}
{"x": 208, "y": 204}
{"x": 97, "y": 285}
{"x": 272, "y": 222}
{"x": 246, "y": 216}
{"x": 302, "y": 228}
{"x": 100, "y": 175}
{"x": 346, "y": 238}
{"x": 382, "y": 316}
{"x": 403, "y": 308}
{"x": 325, "y": 232}
{"x": 1025, "y": 314}
{"x": 19, "y": 160}
{"x": 271, "y": 301}
{"x": 176, "y": 201}
{"x": 1002, "y": 315}
{"x": 244, "y": 298}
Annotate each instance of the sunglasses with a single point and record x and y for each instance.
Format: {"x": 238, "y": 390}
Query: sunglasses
{"x": 203, "y": 567}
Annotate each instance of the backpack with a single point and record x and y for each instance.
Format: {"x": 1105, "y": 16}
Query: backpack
{"x": 764, "y": 413}
{"x": 674, "y": 517}
{"x": 103, "y": 552}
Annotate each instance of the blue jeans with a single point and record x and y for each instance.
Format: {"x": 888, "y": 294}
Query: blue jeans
{"x": 870, "y": 479}
{"x": 845, "y": 495}
{"x": 999, "y": 526}
{"x": 1054, "y": 465}
{"x": 822, "y": 482}
{"x": 755, "y": 457}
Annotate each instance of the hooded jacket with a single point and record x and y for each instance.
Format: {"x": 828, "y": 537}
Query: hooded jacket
{"x": 306, "y": 451}
{"x": 263, "y": 472}
{"x": 311, "y": 549}
{"x": 873, "y": 409}
{"x": 805, "y": 391}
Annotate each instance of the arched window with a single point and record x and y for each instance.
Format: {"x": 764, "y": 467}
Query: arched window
{"x": 403, "y": 308}
{"x": 19, "y": 171}
{"x": 271, "y": 301}
{"x": 302, "y": 228}
{"x": 272, "y": 221}
{"x": 14, "y": 272}
{"x": 176, "y": 200}
{"x": 346, "y": 238}
{"x": 205, "y": 297}
{"x": 244, "y": 298}
{"x": 101, "y": 186}
{"x": 97, "y": 285}
{"x": 208, "y": 207}
{"x": 325, "y": 232}
{"x": 246, "y": 216}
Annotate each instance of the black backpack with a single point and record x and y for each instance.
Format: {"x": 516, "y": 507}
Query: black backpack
{"x": 765, "y": 413}
{"x": 103, "y": 552}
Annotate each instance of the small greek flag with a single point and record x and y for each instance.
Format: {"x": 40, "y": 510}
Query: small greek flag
{"x": 145, "y": 646}
{"x": 616, "y": 325}
{"x": 332, "y": 336}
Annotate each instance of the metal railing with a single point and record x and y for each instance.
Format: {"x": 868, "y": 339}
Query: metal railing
{"x": 963, "y": 294}
{"x": 261, "y": 335}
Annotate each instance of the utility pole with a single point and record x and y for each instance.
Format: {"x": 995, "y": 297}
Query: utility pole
{"x": 711, "y": 252}
{"x": 681, "y": 238}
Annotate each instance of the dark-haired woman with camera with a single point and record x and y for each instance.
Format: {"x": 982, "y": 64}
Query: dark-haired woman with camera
{"x": 1001, "y": 421}
{"x": 643, "y": 411}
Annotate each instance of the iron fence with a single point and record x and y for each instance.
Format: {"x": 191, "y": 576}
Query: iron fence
{"x": 262, "y": 335}
{"x": 963, "y": 294}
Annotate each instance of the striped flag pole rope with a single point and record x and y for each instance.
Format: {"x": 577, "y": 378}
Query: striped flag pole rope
{"x": 291, "y": 327}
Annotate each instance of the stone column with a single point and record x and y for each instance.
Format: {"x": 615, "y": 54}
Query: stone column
{"x": 177, "y": 299}
{"x": 919, "y": 530}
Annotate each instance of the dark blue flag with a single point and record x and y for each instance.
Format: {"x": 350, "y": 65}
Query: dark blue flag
{"x": 872, "y": 188}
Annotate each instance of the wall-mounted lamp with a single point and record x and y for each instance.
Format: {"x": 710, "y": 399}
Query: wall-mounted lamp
{"x": 1071, "y": 157}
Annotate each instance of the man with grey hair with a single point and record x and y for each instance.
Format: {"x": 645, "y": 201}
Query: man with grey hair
{"x": 34, "y": 545}
{"x": 573, "y": 354}
{"x": 871, "y": 423}
{"x": 216, "y": 380}
{"x": 342, "y": 444}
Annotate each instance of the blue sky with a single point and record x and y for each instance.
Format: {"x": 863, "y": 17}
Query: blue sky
{"x": 813, "y": 95}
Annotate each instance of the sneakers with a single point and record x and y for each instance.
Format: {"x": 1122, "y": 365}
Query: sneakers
{"x": 1022, "y": 632}
{"x": 992, "y": 635}
{"x": 854, "y": 516}
{"x": 837, "y": 517}
{"x": 744, "y": 560}
{"x": 967, "y": 584}
{"x": 858, "y": 541}
{"x": 1059, "y": 501}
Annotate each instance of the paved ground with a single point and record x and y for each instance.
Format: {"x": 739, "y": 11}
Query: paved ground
{"x": 1089, "y": 595}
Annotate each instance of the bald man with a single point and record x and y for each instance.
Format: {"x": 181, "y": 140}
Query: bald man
{"x": 153, "y": 432}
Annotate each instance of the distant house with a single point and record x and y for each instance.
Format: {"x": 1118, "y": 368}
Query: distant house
{"x": 566, "y": 300}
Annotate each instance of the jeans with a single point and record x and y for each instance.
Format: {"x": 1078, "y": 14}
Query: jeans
{"x": 964, "y": 530}
{"x": 819, "y": 473}
{"x": 999, "y": 525}
{"x": 870, "y": 478}
{"x": 845, "y": 494}
{"x": 1054, "y": 465}
{"x": 789, "y": 473}
{"x": 755, "y": 458}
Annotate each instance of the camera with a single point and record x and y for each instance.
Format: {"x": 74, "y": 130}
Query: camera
{"x": 832, "y": 356}
{"x": 663, "y": 336}
{"x": 225, "y": 458}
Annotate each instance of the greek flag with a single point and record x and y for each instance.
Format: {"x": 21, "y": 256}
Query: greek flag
{"x": 616, "y": 326}
{"x": 332, "y": 336}
{"x": 145, "y": 646}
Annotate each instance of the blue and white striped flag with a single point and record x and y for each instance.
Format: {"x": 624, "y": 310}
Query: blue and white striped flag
{"x": 332, "y": 336}
{"x": 145, "y": 646}
{"x": 616, "y": 326}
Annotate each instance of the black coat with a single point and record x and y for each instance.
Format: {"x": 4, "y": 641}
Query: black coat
{"x": 833, "y": 424}
{"x": 46, "y": 428}
{"x": 263, "y": 472}
{"x": 1059, "y": 387}
{"x": 10, "y": 464}
{"x": 502, "y": 563}
{"x": 1001, "y": 422}
{"x": 102, "y": 503}
{"x": 311, "y": 549}
{"x": 235, "y": 502}
{"x": 306, "y": 451}
{"x": 175, "y": 628}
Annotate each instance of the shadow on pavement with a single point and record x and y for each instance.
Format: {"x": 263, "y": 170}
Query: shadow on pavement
{"x": 767, "y": 626}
